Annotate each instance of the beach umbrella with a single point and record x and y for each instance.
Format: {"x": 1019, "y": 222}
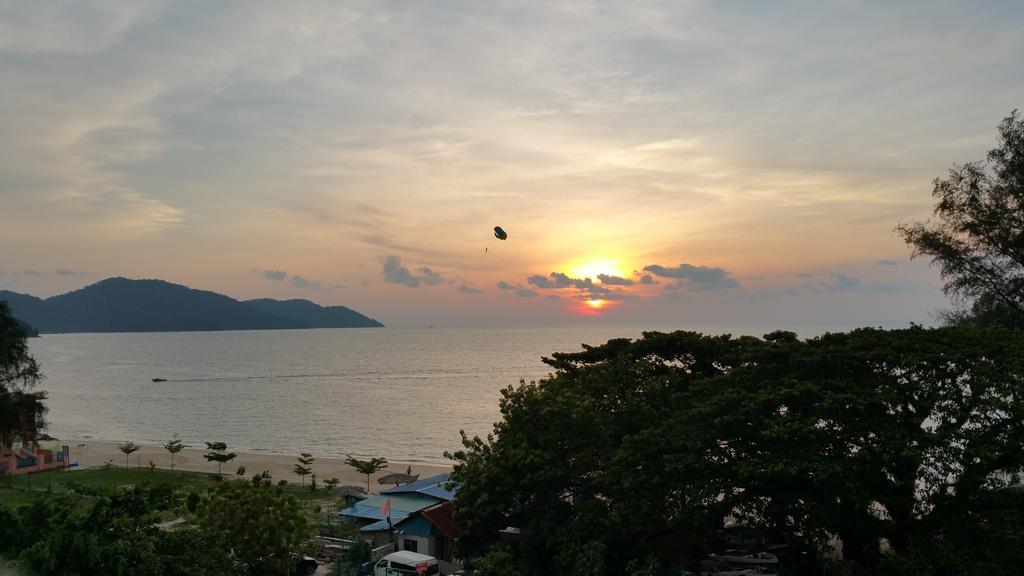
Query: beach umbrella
{"x": 343, "y": 491}
{"x": 398, "y": 478}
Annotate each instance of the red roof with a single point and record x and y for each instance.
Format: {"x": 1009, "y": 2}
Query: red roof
{"x": 441, "y": 517}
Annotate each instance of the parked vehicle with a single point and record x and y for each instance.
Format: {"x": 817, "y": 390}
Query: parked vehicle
{"x": 739, "y": 557}
{"x": 403, "y": 563}
{"x": 306, "y": 565}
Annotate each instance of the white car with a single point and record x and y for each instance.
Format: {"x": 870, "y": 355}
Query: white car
{"x": 402, "y": 563}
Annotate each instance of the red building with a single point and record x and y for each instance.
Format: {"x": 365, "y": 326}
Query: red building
{"x": 32, "y": 458}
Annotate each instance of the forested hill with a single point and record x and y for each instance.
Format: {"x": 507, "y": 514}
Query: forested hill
{"x": 314, "y": 315}
{"x": 123, "y": 305}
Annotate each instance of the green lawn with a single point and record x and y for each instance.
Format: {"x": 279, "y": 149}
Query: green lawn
{"x": 20, "y": 490}
{"x": 55, "y": 480}
{"x": 13, "y": 497}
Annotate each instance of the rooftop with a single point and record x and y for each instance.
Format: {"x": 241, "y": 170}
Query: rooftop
{"x": 433, "y": 486}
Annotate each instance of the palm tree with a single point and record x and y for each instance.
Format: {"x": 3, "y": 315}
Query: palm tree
{"x": 371, "y": 466}
{"x": 128, "y": 448}
{"x": 174, "y": 446}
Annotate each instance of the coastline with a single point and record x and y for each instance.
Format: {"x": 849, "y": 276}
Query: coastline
{"x": 92, "y": 453}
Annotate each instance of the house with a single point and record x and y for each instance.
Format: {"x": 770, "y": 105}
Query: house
{"x": 420, "y": 517}
{"x": 31, "y": 458}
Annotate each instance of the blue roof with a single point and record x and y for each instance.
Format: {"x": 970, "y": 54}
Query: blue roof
{"x": 401, "y": 506}
{"x": 377, "y": 526}
{"x": 414, "y": 524}
{"x": 433, "y": 486}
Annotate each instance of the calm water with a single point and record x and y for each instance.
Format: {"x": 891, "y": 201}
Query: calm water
{"x": 400, "y": 393}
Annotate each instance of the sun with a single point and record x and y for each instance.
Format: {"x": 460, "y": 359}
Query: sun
{"x": 591, "y": 268}
{"x": 594, "y": 306}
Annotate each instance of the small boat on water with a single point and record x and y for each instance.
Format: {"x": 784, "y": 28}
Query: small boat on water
{"x": 159, "y": 379}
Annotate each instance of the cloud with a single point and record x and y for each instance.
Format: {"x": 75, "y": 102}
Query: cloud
{"x": 430, "y": 277}
{"x": 300, "y": 282}
{"x": 647, "y": 279}
{"x": 845, "y": 283}
{"x": 31, "y": 272}
{"x": 467, "y": 289}
{"x": 696, "y": 278}
{"x": 559, "y": 280}
{"x": 614, "y": 280}
{"x": 585, "y": 287}
{"x": 275, "y": 275}
{"x": 805, "y": 275}
{"x": 885, "y": 262}
{"x": 541, "y": 282}
{"x": 608, "y": 295}
{"x": 555, "y": 281}
{"x": 517, "y": 289}
{"x": 70, "y": 272}
{"x": 395, "y": 273}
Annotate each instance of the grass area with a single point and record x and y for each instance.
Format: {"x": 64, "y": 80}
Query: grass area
{"x": 20, "y": 490}
{"x": 56, "y": 480}
{"x": 14, "y": 497}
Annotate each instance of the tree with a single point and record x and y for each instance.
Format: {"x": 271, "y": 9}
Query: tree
{"x": 978, "y": 241}
{"x": 128, "y": 448}
{"x": 260, "y": 527}
{"x": 302, "y": 468}
{"x": 105, "y": 531}
{"x": 497, "y": 562}
{"x": 677, "y": 444}
{"x": 22, "y": 411}
{"x": 368, "y": 467}
{"x": 174, "y": 445}
{"x": 217, "y": 454}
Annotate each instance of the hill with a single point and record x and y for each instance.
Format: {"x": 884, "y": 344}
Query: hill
{"x": 314, "y": 315}
{"x": 123, "y": 305}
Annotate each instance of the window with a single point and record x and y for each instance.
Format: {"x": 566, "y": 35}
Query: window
{"x": 410, "y": 545}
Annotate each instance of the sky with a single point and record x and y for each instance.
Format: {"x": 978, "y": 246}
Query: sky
{"x": 679, "y": 162}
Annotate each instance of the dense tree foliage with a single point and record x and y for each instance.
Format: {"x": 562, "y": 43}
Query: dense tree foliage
{"x": 259, "y": 527}
{"x": 22, "y": 410}
{"x": 105, "y": 532}
{"x": 978, "y": 240}
{"x": 238, "y": 530}
{"x": 899, "y": 443}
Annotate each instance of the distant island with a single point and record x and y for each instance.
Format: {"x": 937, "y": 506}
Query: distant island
{"x": 125, "y": 305}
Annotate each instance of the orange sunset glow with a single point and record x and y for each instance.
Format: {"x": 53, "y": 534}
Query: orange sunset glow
{"x": 637, "y": 181}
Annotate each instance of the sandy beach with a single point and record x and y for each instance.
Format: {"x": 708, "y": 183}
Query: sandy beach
{"x": 94, "y": 453}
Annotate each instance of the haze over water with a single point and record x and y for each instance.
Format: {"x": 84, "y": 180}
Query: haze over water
{"x": 401, "y": 393}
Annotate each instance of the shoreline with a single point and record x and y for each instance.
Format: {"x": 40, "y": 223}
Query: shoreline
{"x": 93, "y": 453}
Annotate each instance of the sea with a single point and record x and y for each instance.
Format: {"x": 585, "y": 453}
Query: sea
{"x": 402, "y": 393}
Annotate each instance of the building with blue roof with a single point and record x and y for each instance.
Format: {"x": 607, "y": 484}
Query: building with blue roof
{"x": 420, "y": 517}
